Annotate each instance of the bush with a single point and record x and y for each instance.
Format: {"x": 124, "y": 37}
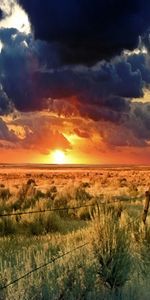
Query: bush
{"x": 36, "y": 227}
{"x": 85, "y": 185}
{"x": 81, "y": 195}
{"x": 110, "y": 245}
{"x": 51, "y": 193}
{"x": 60, "y": 201}
{"x": 2, "y": 185}
{"x": 84, "y": 213}
{"x": 7, "y": 226}
{"x": 31, "y": 182}
{"x": 143, "y": 234}
{"x": 39, "y": 194}
{"x": 26, "y": 191}
{"x": 28, "y": 203}
{"x": 53, "y": 223}
{"x": 4, "y": 194}
{"x": 45, "y": 223}
{"x": 16, "y": 205}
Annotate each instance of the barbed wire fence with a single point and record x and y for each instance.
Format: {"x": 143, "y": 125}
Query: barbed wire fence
{"x": 67, "y": 208}
{"x": 45, "y": 210}
{"x": 42, "y": 266}
{"x": 53, "y": 260}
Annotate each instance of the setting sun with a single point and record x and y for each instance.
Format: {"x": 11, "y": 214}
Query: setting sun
{"x": 59, "y": 157}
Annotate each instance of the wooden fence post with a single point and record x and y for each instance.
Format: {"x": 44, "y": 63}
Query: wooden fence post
{"x": 146, "y": 206}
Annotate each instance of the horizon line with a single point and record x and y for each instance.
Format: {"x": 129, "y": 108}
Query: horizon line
{"x": 73, "y": 164}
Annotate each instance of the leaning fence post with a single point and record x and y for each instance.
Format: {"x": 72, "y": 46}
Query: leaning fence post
{"x": 146, "y": 206}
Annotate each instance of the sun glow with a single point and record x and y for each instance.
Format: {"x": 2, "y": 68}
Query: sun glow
{"x": 59, "y": 157}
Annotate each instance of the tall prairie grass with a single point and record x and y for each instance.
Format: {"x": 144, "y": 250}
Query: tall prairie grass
{"x": 115, "y": 262}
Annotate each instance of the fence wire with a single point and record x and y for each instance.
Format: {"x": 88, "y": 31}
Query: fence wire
{"x": 42, "y": 266}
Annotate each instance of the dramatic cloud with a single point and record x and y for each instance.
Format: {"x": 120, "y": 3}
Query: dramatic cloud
{"x": 74, "y": 67}
{"x": 6, "y": 8}
{"x": 40, "y": 133}
{"x": 20, "y": 59}
{"x": 82, "y": 133}
{"x": 6, "y": 134}
{"x": 6, "y": 105}
{"x": 45, "y": 140}
{"x": 1, "y": 14}
{"x": 13, "y": 16}
{"x": 133, "y": 130}
{"x": 29, "y": 75}
{"x": 88, "y": 31}
{"x": 32, "y": 79}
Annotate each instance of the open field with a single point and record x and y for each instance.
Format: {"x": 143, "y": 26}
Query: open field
{"x": 94, "y": 213}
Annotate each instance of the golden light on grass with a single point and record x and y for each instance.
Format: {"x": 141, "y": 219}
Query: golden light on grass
{"x": 59, "y": 157}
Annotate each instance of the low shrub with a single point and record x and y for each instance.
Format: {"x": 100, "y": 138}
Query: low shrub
{"x": 7, "y": 226}
{"x": 84, "y": 213}
{"x": 45, "y": 223}
{"x": 5, "y": 193}
{"x": 81, "y": 195}
{"x": 111, "y": 249}
{"x": 51, "y": 192}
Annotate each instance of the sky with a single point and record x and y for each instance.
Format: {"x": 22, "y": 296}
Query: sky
{"x": 75, "y": 81}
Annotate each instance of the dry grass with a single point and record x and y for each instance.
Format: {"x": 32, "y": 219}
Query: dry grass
{"x": 116, "y": 262}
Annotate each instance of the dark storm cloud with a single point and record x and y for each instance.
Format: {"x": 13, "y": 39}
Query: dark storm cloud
{"x": 6, "y": 134}
{"x": 106, "y": 86}
{"x": 88, "y": 31}
{"x": 141, "y": 62}
{"x": 1, "y": 14}
{"x": 132, "y": 131}
{"x": 30, "y": 74}
{"x": 120, "y": 136}
{"x": 6, "y": 106}
{"x": 33, "y": 78}
{"x": 20, "y": 58}
{"x": 140, "y": 121}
